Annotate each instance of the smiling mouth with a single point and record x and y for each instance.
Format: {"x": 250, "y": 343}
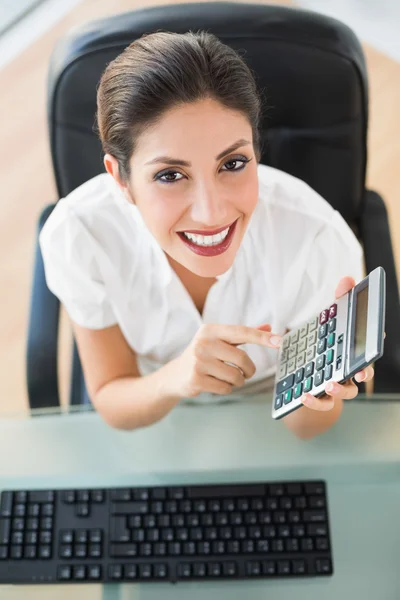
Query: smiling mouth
{"x": 209, "y": 245}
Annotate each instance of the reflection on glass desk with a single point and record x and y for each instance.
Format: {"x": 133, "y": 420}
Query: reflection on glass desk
{"x": 359, "y": 458}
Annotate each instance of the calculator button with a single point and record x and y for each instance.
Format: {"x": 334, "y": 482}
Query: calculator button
{"x": 285, "y": 384}
{"x": 320, "y": 362}
{"x": 321, "y": 347}
{"x": 302, "y": 345}
{"x": 323, "y": 317}
{"x": 310, "y": 354}
{"x": 303, "y": 331}
{"x": 294, "y": 336}
{"x": 284, "y": 356}
{"x": 299, "y": 376}
{"x": 307, "y": 385}
{"x": 309, "y": 370}
{"x": 331, "y": 325}
{"x": 278, "y": 401}
{"x": 312, "y": 324}
{"x": 331, "y": 340}
{"x": 329, "y": 357}
{"x": 292, "y": 351}
{"x": 312, "y": 338}
{"x": 328, "y": 372}
{"x": 338, "y": 363}
{"x": 319, "y": 378}
{"x": 286, "y": 342}
{"x": 332, "y": 311}
{"x": 322, "y": 331}
{"x": 291, "y": 365}
{"x": 340, "y": 339}
{"x": 298, "y": 390}
{"x": 282, "y": 371}
{"x": 301, "y": 359}
{"x": 287, "y": 397}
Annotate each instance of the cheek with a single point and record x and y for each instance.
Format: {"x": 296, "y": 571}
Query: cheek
{"x": 161, "y": 211}
{"x": 246, "y": 195}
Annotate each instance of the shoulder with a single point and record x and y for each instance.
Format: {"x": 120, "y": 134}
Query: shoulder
{"x": 96, "y": 209}
{"x": 284, "y": 195}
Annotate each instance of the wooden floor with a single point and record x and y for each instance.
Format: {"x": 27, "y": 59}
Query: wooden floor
{"x": 27, "y": 185}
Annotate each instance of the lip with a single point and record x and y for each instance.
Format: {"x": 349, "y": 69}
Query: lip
{"x": 211, "y": 250}
{"x": 209, "y": 232}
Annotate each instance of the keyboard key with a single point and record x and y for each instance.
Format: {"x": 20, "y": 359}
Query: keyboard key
{"x": 184, "y": 570}
{"x": 322, "y": 331}
{"x": 314, "y": 516}
{"x": 47, "y": 510}
{"x": 319, "y": 529}
{"x": 332, "y": 311}
{"x": 21, "y": 497}
{"x": 82, "y": 510}
{"x": 30, "y": 552}
{"x": 309, "y": 369}
{"x": 299, "y": 567}
{"x": 115, "y": 572}
{"x": 288, "y": 396}
{"x": 6, "y": 504}
{"x": 41, "y": 496}
{"x": 33, "y": 510}
{"x": 298, "y": 390}
{"x": 323, "y": 566}
{"x": 329, "y": 357}
{"x": 45, "y": 552}
{"x": 283, "y": 567}
{"x": 313, "y": 324}
{"x": 64, "y": 573}
{"x": 328, "y": 372}
{"x": 160, "y": 571}
{"x": 20, "y": 510}
{"x": 214, "y": 569}
{"x": 97, "y": 496}
{"x": 331, "y": 340}
{"x": 95, "y": 536}
{"x": 68, "y": 496}
{"x": 323, "y": 317}
{"x": 308, "y": 385}
{"x": 94, "y": 551}
{"x": 65, "y": 551}
{"x": 199, "y": 569}
{"x": 319, "y": 378}
{"x": 130, "y": 572}
{"x": 301, "y": 359}
{"x": 268, "y": 567}
{"x": 123, "y": 550}
{"x": 130, "y": 508}
{"x": 322, "y": 544}
{"x": 16, "y": 552}
{"x": 314, "y": 488}
{"x": 5, "y": 531}
{"x": 285, "y": 384}
{"x": 94, "y": 572}
{"x": 229, "y": 568}
{"x": 253, "y": 568}
{"x": 66, "y": 536}
{"x": 79, "y": 573}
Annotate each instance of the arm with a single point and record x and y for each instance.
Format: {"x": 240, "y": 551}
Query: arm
{"x": 123, "y": 398}
{"x": 307, "y": 423}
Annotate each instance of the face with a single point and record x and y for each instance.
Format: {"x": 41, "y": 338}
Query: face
{"x": 194, "y": 180}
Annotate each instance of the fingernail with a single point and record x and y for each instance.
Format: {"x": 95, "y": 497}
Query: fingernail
{"x": 305, "y": 400}
{"x": 275, "y": 340}
{"x": 330, "y": 387}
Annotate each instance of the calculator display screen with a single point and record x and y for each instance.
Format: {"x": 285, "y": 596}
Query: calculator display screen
{"x": 360, "y": 333}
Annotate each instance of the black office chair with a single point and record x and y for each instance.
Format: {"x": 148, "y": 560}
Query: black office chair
{"x": 314, "y": 75}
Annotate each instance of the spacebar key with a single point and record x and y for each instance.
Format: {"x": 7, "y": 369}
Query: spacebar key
{"x": 285, "y": 384}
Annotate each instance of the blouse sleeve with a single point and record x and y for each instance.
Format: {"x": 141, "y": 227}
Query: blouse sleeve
{"x": 335, "y": 253}
{"x": 71, "y": 269}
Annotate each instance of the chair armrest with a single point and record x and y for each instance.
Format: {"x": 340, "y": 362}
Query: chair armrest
{"x": 41, "y": 352}
{"x": 375, "y": 233}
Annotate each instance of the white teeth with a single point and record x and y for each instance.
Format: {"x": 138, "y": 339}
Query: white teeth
{"x": 207, "y": 240}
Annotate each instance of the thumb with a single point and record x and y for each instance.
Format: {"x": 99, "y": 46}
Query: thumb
{"x": 345, "y": 285}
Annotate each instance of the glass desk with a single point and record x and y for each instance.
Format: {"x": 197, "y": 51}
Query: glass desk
{"x": 230, "y": 441}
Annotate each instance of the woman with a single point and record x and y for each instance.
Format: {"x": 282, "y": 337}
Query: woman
{"x": 184, "y": 264}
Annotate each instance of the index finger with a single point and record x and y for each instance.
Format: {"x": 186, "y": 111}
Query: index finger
{"x": 240, "y": 334}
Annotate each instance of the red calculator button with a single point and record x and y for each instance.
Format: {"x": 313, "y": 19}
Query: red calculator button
{"x": 324, "y": 316}
{"x": 332, "y": 311}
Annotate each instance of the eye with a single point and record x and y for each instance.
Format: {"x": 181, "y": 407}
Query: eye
{"x": 168, "y": 176}
{"x": 236, "y": 164}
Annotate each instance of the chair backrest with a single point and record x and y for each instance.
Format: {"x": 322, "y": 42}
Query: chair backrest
{"x": 310, "y": 67}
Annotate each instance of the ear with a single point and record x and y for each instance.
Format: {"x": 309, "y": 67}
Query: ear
{"x": 112, "y": 167}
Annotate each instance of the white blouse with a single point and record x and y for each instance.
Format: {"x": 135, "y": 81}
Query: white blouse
{"x": 106, "y": 268}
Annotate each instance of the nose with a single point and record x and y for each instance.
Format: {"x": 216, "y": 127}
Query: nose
{"x": 208, "y": 208}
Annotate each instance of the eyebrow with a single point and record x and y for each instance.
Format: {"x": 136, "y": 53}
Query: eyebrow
{"x": 184, "y": 163}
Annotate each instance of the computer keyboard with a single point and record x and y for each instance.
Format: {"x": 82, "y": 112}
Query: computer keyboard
{"x": 165, "y": 534}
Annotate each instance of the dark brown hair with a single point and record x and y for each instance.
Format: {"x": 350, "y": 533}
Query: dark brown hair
{"x": 162, "y": 70}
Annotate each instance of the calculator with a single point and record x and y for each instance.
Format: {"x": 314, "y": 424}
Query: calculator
{"x": 343, "y": 339}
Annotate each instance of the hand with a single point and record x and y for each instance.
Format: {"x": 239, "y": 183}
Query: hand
{"x": 213, "y": 363}
{"x": 339, "y": 391}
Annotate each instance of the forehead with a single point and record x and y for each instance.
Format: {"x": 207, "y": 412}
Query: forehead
{"x": 199, "y": 125}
